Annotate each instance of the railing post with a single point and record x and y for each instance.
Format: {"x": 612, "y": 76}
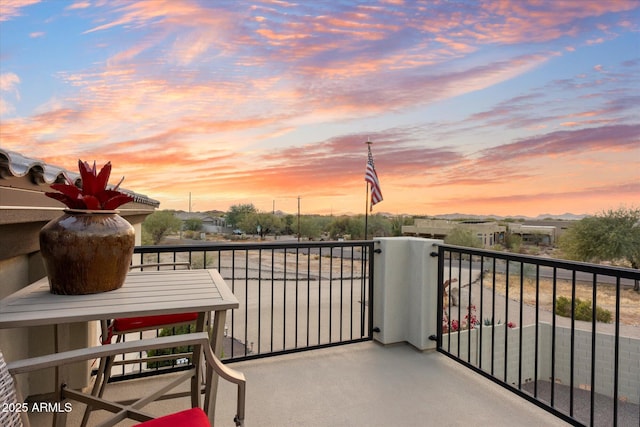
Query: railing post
{"x": 371, "y": 250}
{"x": 439, "y": 313}
{"x": 405, "y": 285}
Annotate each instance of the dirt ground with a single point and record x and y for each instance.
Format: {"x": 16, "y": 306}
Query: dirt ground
{"x": 605, "y": 296}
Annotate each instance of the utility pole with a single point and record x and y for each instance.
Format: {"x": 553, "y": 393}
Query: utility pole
{"x": 298, "y": 218}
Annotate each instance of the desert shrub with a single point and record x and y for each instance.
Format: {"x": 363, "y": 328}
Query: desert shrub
{"x": 513, "y": 242}
{"x": 533, "y": 250}
{"x": 462, "y": 237}
{"x": 583, "y": 310}
{"x": 177, "y": 330}
{"x": 198, "y": 258}
{"x": 563, "y": 306}
{"x": 603, "y": 315}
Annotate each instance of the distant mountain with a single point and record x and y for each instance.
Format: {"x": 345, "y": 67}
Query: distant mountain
{"x": 458, "y": 216}
{"x": 566, "y": 216}
{"x": 198, "y": 214}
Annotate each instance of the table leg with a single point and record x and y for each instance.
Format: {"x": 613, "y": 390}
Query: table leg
{"x": 62, "y": 336}
{"x": 216, "y": 339}
{"x": 197, "y": 363}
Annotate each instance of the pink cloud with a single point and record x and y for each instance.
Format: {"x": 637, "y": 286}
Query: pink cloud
{"x": 10, "y": 9}
{"x": 9, "y": 82}
{"x": 581, "y": 200}
{"x": 79, "y": 5}
{"x": 158, "y": 111}
{"x": 522, "y": 21}
{"x": 604, "y": 138}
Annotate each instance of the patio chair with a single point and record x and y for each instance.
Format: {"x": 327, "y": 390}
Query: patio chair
{"x": 118, "y": 328}
{"x": 11, "y": 398}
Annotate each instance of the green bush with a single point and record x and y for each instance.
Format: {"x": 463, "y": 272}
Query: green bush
{"x": 603, "y": 315}
{"x": 197, "y": 261}
{"x": 178, "y": 330}
{"x": 563, "y": 306}
{"x": 583, "y": 310}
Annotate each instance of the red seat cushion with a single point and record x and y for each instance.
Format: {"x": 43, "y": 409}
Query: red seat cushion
{"x": 131, "y": 323}
{"x": 194, "y": 417}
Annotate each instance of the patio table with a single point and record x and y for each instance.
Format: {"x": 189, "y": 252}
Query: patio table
{"x": 144, "y": 293}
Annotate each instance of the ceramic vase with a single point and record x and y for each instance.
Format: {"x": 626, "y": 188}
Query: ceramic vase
{"x": 86, "y": 251}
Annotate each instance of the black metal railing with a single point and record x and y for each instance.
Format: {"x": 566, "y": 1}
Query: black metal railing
{"x": 294, "y": 296}
{"x": 497, "y": 315}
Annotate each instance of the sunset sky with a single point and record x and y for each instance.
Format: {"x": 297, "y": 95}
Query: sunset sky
{"x": 506, "y": 107}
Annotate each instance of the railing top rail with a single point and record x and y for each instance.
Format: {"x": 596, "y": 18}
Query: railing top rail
{"x": 252, "y": 245}
{"x": 622, "y": 272}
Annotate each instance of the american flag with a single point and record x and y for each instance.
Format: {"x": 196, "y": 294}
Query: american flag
{"x": 371, "y": 177}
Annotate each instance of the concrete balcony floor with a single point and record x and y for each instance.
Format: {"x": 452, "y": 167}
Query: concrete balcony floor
{"x": 363, "y": 384}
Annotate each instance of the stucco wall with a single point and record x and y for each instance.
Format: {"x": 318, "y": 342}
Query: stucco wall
{"x": 16, "y": 273}
{"x": 405, "y": 277}
{"x": 24, "y": 210}
{"x": 628, "y": 363}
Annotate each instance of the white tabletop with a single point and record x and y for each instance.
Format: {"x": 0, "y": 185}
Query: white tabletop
{"x": 144, "y": 293}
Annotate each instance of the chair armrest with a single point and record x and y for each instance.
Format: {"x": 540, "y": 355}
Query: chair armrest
{"x": 72, "y": 356}
{"x": 157, "y": 265}
{"x": 231, "y": 375}
{"x": 198, "y": 338}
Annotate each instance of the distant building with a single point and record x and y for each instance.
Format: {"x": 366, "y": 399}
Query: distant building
{"x": 489, "y": 233}
{"x": 210, "y": 224}
{"x": 560, "y": 225}
{"x": 545, "y": 235}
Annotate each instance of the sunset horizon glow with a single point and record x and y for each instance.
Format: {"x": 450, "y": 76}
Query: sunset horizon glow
{"x": 509, "y": 108}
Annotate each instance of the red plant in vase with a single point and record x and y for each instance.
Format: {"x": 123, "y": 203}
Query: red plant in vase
{"x": 94, "y": 194}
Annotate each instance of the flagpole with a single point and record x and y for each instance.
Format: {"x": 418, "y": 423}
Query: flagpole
{"x": 366, "y": 212}
{"x": 366, "y": 203}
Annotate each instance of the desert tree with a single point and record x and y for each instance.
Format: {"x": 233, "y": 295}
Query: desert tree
{"x": 612, "y": 235}
{"x": 159, "y": 224}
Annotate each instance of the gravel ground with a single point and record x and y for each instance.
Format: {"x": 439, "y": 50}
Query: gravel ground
{"x": 628, "y": 413}
{"x": 509, "y": 310}
{"x": 630, "y": 328}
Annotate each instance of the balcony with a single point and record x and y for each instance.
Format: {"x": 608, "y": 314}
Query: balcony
{"x": 362, "y": 384}
{"x": 372, "y": 316}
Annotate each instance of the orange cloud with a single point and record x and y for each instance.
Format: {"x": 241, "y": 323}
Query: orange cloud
{"x": 276, "y": 99}
{"x": 589, "y": 200}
